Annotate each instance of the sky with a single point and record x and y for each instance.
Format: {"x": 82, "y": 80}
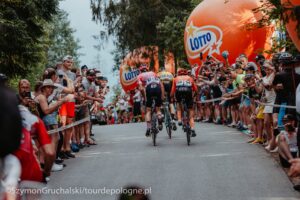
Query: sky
{"x": 80, "y": 17}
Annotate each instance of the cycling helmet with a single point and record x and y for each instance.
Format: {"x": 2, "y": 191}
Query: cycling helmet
{"x": 182, "y": 71}
{"x": 143, "y": 67}
{"x": 285, "y": 58}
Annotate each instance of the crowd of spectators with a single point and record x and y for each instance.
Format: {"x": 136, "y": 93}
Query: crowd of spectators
{"x": 257, "y": 97}
{"x": 49, "y": 124}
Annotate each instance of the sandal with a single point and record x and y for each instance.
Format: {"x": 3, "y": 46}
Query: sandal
{"x": 90, "y": 142}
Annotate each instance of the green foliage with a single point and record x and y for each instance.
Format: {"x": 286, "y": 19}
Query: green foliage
{"x": 272, "y": 11}
{"x": 136, "y": 23}
{"x": 34, "y": 34}
{"x": 21, "y": 30}
{"x": 61, "y": 40}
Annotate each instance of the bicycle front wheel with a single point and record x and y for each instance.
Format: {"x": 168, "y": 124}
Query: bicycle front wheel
{"x": 169, "y": 131}
{"x": 188, "y": 137}
{"x": 154, "y": 138}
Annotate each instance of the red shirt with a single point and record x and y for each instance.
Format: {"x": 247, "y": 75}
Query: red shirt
{"x": 32, "y": 127}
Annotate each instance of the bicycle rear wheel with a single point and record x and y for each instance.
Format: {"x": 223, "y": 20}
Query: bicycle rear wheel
{"x": 154, "y": 138}
{"x": 188, "y": 137}
{"x": 169, "y": 131}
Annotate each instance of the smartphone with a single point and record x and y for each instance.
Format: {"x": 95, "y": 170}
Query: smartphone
{"x": 28, "y": 95}
{"x": 65, "y": 83}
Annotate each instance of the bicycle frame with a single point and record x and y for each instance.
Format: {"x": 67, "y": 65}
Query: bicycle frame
{"x": 168, "y": 119}
{"x": 154, "y": 130}
{"x": 186, "y": 121}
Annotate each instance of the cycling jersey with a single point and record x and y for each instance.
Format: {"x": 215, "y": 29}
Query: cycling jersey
{"x": 183, "y": 83}
{"x": 148, "y": 78}
{"x": 165, "y": 77}
{"x": 153, "y": 90}
{"x": 183, "y": 87}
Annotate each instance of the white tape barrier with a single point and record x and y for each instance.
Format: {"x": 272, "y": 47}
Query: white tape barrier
{"x": 277, "y": 105}
{"x": 260, "y": 103}
{"x": 210, "y": 100}
{"x": 69, "y": 125}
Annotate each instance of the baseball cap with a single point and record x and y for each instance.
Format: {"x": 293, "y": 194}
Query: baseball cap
{"x": 90, "y": 72}
{"x": 84, "y": 67}
{"x": 251, "y": 66}
{"x": 98, "y": 75}
{"x": 68, "y": 57}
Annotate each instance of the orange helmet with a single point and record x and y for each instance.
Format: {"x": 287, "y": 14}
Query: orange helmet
{"x": 182, "y": 71}
{"x": 143, "y": 67}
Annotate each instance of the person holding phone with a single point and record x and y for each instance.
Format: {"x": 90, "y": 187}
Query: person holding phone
{"x": 67, "y": 110}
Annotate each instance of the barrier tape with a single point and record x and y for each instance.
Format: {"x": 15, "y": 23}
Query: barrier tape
{"x": 260, "y": 103}
{"x": 210, "y": 100}
{"x": 69, "y": 125}
{"x": 273, "y": 105}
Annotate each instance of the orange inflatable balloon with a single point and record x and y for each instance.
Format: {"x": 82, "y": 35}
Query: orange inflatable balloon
{"x": 215, "y": 26}
{"x": 128, "y": 77}
{"x": 291, "y": 26}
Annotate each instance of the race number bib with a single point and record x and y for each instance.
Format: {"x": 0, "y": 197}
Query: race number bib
{"x": 184, "y": 83}
{"x": 152, "y": 80}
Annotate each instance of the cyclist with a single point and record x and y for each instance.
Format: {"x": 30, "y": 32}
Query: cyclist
{"x": 167, "y": 79}
{"x": 183, "y": 88}
{"x": 151, "y": 87}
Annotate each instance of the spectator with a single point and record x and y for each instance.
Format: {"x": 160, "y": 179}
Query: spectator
{"x": 67, "y": 110}
{"x": 287, "y": 141}
{"x": 10, "y": 139}
{"x": 269, "y": 98}
{"x": 48, "y": 113}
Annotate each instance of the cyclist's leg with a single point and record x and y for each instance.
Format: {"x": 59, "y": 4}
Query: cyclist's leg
{"x": 190, "y": 104}
{"x": 178, "y": 107}
{"x": 158, "y": 103}
{"x": 148, "y": 110}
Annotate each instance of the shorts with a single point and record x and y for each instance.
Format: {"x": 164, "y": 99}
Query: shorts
{"x": 153, "y": 91}
{"x": 186, "y": 94}
{"x": 137, "y": 109}
{"x": 260, "y": 113}
{"x": 50, "y": 119}
{"x": 234, "y": 101}
{"x": 245, "y": 101}
{"x": 80, "y": 113}
{"x": 168, "y": 88}
{"x": 67, "y": 109}
{"x": 268, "y": 110}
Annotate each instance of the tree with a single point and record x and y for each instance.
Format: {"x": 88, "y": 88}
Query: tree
{"x": 61, "y": 40}
{"x": 136, "y": 23}
{"x": 22, "y": 31}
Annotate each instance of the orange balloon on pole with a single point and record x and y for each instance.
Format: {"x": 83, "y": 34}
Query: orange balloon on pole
{"x": 128, "y": 77}
{"x": 291, "y": 26}
{"x": 215, "y": 26}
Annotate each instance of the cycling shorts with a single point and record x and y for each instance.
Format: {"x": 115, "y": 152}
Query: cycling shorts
{"x": 168, "y": 88}
{"x": 153, "y": 91}
{"x": 185, "y": 93}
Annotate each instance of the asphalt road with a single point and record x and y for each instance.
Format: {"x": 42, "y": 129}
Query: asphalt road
{"x": 219, "y": 165}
